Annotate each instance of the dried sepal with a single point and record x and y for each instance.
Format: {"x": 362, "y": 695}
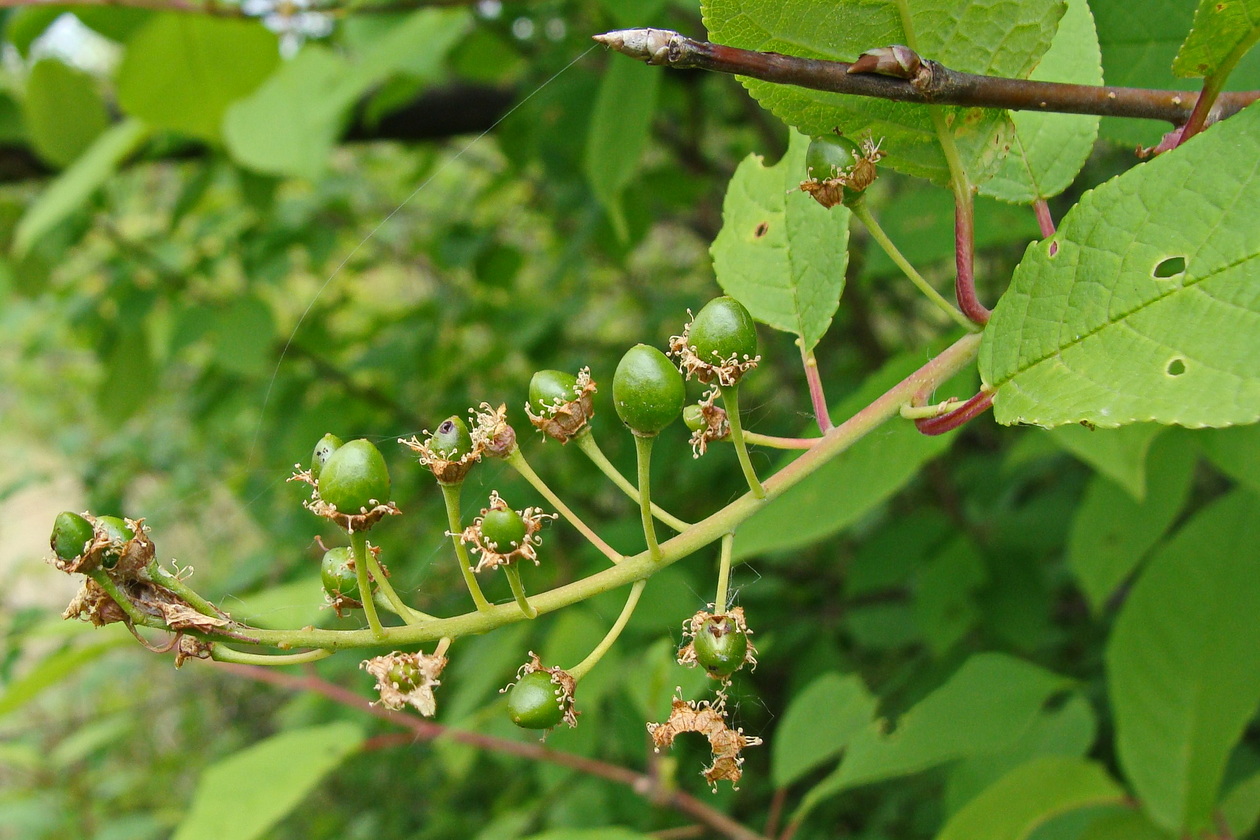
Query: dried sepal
{"x": 129, "y": 558}
{"x": 93, "y": 604}
{"x": 848, "y": 180}
{"x": 716, "y": 425}
{"x": 491, "y": 431}
{"x": 726, "y": 372}
{"x": 693, "y": 626}
{"x": 564, "y": 420}
{"x": 492, "y": 554}
{"x": 350, "y": 522}
{"x": 190, "y": 647}
{"x": 566, "y": 686}
{"x": 708, "y": 718}
{"x": 407, "y": 679}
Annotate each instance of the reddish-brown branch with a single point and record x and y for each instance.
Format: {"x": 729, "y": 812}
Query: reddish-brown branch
{"x": 942, "y": 86}
{"x": 965, "y": 260}
{"x": 427, "y": 730}
{"x": 969, "y": 410}
{"x": 1044, "y": 220}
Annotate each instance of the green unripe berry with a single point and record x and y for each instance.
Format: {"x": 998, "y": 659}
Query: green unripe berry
{"x": 693, "y": 417}
{"x": 534, "y": 702}
{"x": 354, "y": 477}
{"x": 551, "y": 387}
{"x": 721, "y": 330}
{"x": 503, "y": 530}
{"x": 70, "y": 535}
{"x": 648, "y": 390}
{"x": 118, "y": 531}
{"x": 830, "y": 155}
{"x": 338, "y": 575}
{"x": 720, "y": 646}
{"x": 404, "y": 675}
{"x": 327, "y": 445}
{"x": 451, "y": 440}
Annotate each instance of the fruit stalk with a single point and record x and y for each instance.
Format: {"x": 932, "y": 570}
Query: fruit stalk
{"x": 451, "y": 494}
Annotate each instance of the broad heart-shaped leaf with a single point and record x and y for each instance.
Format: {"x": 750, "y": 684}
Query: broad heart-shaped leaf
{"x": 780, "y": 253}
{"x": 1222, "y": 33}
{"x": 63, "y": 111}
{"x": 1030, "y": 795}
{"x": 73, "y": 187}
{"x": 181, "y": 72}
{"x": 618, "y": 134}
{"x": 817, "y": 725}
{"x": 1150, "y": 308}
{"x": 1112, "y": 532}
{"x": 245, "y": 794}
{"x": 986, "y": 706}
{"x": 976, "y": 36}
{"x": 1049, "y": 149}
{"x": 1183, "y": 663}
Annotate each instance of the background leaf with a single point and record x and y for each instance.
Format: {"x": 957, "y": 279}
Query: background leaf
{"x": 64, "y": 114}
{"x": 618, "y": 134}
{"x": 817, "y": 725}
{"x": 1221, "y": 32}
{"x": 1183, "y": 663}
{"x": 1095, "y": 333}
{"x": 780, "y": 253}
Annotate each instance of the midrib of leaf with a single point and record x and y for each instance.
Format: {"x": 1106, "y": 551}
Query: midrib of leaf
{"x": 1120, "y": 318}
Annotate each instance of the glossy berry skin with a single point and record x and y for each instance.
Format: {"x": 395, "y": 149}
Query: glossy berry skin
{"x": 327, "y": 445}
{"x": 504, "y": 528}
{"x": 354, "y": 477}
{"x": 721, "y": 330}
{"x": 648, "y": 390}
{"x": 551, "y": 387}
{"x": 338, "y": 575}
{"x": 118, "y": 531}
{"x": 452, "y": 440}
{"x": 830, "y": 154}
{"x": 70, "y": 535}
{"x": 533, "y": 702}
{"x": 720, "y": 646}
{"x": 693, "y": 417}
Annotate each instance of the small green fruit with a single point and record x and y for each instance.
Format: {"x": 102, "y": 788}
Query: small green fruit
{"x": 721, "y": 330}
{"x": 404, "y": 676}
{"x": 503, "y": 530}
{"x": 354, "y": 477}
{"x": 452, "y": 440}
{"x": 720, "y": 646}
{"x": 830, "y": 155}
{"x": 327, "y": 445}
{"x": 338, "y": 575}
{"x": 534, "y": 702}
{"x": 118, "y": 531}
{"x": 548, "y": 388}
{"x": 70, "y": 535}
{"x": 648, "y": 390}
{"x": 693, "y": 417}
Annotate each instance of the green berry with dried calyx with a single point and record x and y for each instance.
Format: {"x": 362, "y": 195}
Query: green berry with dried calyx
{"x": 838, "y": 169}
{"x": 355, "y": 478}
{"x": 336, "y": 571}
{"x": 536, "y": 701}
{"x": 648, "y": 390}
{"x": 327, "y": 445}
{"x": 719, "y": 344}
{"x": 560, "y": 404}
{"x": 116, "y": 530}
{"x": 503, "y": 530}
{"x": 452, "y": 439}
{"x": 71, "y": 534}
{"x": 693, "y": 417}
{"x": 721, "y": 647}
{"x": 551, "y": 388}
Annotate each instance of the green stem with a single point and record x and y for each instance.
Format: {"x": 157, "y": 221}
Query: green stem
{"x": 517, "y": 462}
{"x": 643, "y": 565}
{"x": 863, "y": 214}
{"x": 724, "y": 573}
{"x": 518, "y": 590}
{"x": 384, "y": 588}
{"x": 222, "y": 653}
{"x": 185, "y": 592}
{"x": 106, "y": 583}
{"x": 775, "y": 442}
{"x": 358, "y": 547}
{"x": 586, "y": 442}
{"x": 643, "y": 457}
{"x": 583, "y": 668}
{"x": 451, "y": 494}
{"x": 730, "y": 399}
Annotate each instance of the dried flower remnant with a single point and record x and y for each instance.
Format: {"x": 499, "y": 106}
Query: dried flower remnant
{"x": 729, "y": 623}
{"x": 708, "y": 719}
{"x": 714, "y": 425}
{"x": 564, "y": 682}
{"x": 565, "y": 420}
{"x": 726, "y": 371}
{"x": 407, "y": 679}
{"x": 351, "y": 522}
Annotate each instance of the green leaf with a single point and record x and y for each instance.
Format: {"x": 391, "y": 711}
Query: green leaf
{"x": 1112, "y": 532}
{"x": 780, "y": 253}
{"x": 63, "y": 112}
{"x": 817, "y": 724}
{"x": 53, "y": 669}
{"x": 295, "y": 604}
{"x": 848, "y": 487}
{"x": 945, "y": 589}
{"x": 73, "y": 187}
{"x": 1234, "y": 451}
{"x": 611, "y": 833}
{"x": 618, "y": 134}
{"x": 181, "y": 72}
{"x": 1004, "y": 39}
{"x": 1119, "y": 454}
{"x": 1124, "y": 825}
{"x": 1049, "y": 150}
{"x": 1147, "y": 310}
{"x": 244, "y": 795}
{"x": 1027, "y": 797}
{"x": 1183, "y": 662}
{"x": 1241, "y": 806}
{"x": 1222, "y": 33}
{"x": 415, "y": 44}
{"x": 984, "y": 707}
